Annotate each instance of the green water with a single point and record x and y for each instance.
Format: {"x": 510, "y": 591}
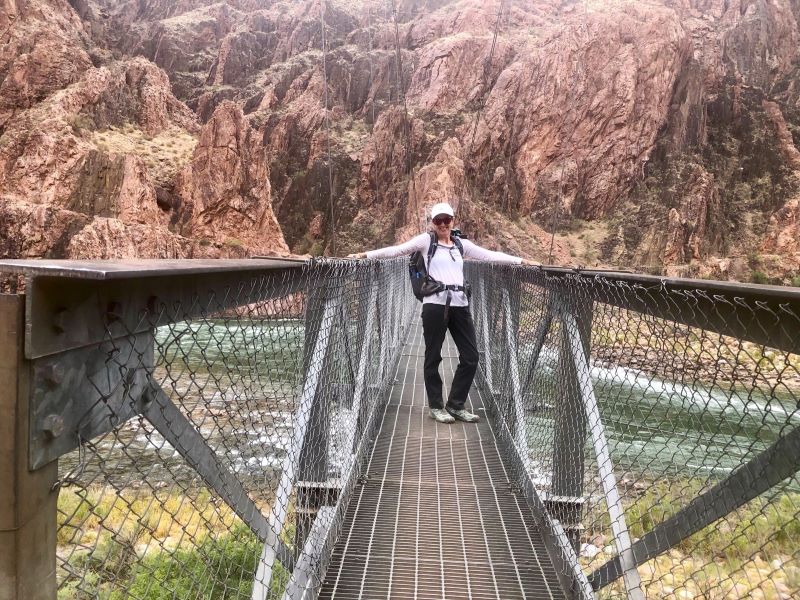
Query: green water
{"x": 660, "y": 428}
{"x": 265, "y": 349}
{"x": 653, "y": 426}
{"x": 247, "y": 373}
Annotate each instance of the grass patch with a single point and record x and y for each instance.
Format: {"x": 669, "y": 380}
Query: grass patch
{"x": 584, "y": 240}
{"x": 761, "y": 527}
{"x": 751, "y": 552}
{"x": 234, "y": 242}
{"x": 88, "y": 515}
{"x": 80, "y": 123}
{"x": 164, "y": 154}
{"x": 157, "y": 545}
{"x": 220, "y": 567}
{"x": 759, "y": 277}
{"x": 351, "y": 135}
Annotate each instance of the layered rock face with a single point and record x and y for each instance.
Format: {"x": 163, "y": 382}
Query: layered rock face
{"x": 224, "y": 187}
{"x": 104, "y": 162}
{"x": 649, "y": 135}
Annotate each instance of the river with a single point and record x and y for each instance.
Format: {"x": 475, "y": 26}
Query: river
{"x": 660, "y": 428}
{"x": 238, "y": 383}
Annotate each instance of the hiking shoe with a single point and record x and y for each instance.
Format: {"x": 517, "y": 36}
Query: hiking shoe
{"x": 464, "y": 415}
{"x": 441, "y": 415}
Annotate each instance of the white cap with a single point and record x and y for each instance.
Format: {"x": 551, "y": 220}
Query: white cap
{"x": 443, "y": 208}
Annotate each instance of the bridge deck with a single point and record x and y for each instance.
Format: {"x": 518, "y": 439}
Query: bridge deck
{"x": 436, "y": 517}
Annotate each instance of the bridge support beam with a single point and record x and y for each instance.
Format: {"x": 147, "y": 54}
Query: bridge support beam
{"x": 570, "y": 418}
{"x": 486, "y": 349}
{"x": 516, "y": 404}
{"x": 321, "y": 311}
{"x": 367, "y": 314}
{"x": 27, "y": 498}
{"x": 313, "y": 486}
{"x": 633, "y": 584}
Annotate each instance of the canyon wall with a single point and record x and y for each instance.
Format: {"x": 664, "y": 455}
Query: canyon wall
{"x": 659, "y": 136}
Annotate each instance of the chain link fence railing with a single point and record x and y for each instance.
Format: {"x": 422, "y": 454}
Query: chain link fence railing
{"x": 209, "y": 426}
{"x": 657, "y": 425}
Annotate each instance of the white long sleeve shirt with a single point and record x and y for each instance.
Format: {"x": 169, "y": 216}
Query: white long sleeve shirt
{"x": 446, "y": 263}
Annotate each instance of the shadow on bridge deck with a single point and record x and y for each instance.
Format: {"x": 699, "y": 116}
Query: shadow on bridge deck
{"x": 437, "y": 517}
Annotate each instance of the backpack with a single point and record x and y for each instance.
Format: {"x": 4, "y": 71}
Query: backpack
{"x": 423, "y": 284}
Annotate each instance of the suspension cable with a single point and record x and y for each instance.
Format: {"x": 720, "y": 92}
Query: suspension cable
{"x": 375, "y": 172}
{"x": 369, "y": 58}
{"x": 557, "y": 201}
{"x": 487, "y": 65}
{"x": 406, "y": 126}
{"x": 332, "y": 208}
{"x": 560, "y": 195}
{"x": 505, "y": 204}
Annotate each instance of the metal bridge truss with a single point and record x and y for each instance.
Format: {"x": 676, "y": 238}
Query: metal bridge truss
{"x": 199, "y": 427}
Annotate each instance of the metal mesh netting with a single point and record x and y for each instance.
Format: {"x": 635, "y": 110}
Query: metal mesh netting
{"x": 652, "y": 432}
{"x": 654, "y": 426}
{"x": 230, "y": 471}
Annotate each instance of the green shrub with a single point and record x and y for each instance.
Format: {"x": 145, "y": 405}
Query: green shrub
{"x": 796, "y": 281}
{"x": 220, "y": 567}
{"x": 217, "y": 569}
{"x": 764, "y": 526}
{"x": 80, "y": 123}
{"x": 759, "y": 277}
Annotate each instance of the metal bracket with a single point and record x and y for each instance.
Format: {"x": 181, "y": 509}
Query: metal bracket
{"x": 84, "y": 393}
{"x": 91, "y": 342}
{"x": 64, "y": 313}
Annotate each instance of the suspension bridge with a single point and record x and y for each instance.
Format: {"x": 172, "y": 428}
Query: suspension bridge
{"x": 257, "y": 429}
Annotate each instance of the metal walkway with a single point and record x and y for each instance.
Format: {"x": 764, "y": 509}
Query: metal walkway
{"x": 436, "y": 516}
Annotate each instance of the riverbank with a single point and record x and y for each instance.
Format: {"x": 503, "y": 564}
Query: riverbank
{"x": 676, "y": 352}
{"x": 155, "y": 546}
{"x": 750, "y": 553}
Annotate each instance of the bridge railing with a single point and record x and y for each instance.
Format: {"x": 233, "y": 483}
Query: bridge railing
{"x": 187, "y": 429}
{"x": 194, "y": 429}
{"x": 655, "y": 425}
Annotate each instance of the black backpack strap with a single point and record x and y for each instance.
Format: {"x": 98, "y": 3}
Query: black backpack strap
{"x": 431, "y": 250}
{"x": 457, "y": 241}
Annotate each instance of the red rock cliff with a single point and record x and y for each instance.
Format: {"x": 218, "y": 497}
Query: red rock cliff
{"x": 655, "y": 135}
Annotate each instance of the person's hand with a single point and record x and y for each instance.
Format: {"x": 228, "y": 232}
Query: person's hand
{"x": 531, "y": 263}
{"x": 357, "y": 255}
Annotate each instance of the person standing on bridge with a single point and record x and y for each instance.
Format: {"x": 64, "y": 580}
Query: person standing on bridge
{"x": 447, "y": 309}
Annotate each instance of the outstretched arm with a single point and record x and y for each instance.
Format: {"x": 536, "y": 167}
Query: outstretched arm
{"x": 472, "y": 250}
{"x": 420, "y": 242}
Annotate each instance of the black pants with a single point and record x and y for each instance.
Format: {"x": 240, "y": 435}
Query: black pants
{"x": 462, "y": 329}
